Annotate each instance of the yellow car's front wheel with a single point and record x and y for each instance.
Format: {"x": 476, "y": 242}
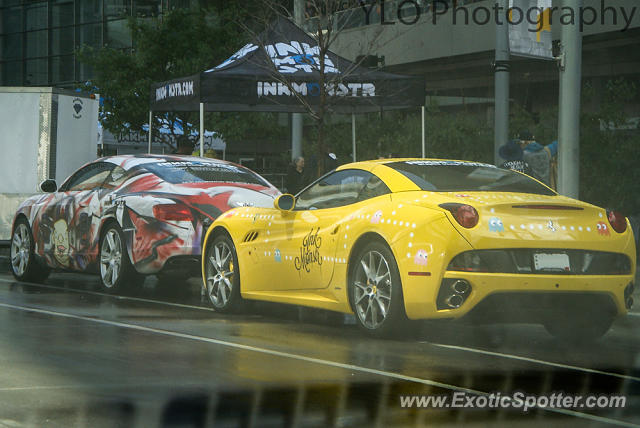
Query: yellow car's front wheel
{"x": 222, "y": 274}
{"x": 375, "y": 290}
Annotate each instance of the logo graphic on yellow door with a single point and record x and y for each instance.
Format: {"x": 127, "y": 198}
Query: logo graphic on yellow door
{"x": 309, "y": 251}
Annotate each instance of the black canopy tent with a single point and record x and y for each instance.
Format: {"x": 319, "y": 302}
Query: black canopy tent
{"x": 280, "y": 72}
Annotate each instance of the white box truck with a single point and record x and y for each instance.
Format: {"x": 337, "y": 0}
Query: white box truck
{"x": 44, "y": 133}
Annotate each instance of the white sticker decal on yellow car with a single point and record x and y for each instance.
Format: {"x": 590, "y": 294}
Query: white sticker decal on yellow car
{"x": 603, "y": 229}
{"x": 495, "y": 225}
{"x": 421, "y": 258}
{"x": 447, "y": 163}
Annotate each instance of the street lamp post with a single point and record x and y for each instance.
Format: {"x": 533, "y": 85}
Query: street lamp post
{"x": 569, "y": 118}
{"x": 297, "y": 118}
{"x": 501, "y": 70}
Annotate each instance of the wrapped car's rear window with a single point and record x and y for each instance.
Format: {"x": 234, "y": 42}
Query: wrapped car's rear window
{"x": 193, "y": 172}
{"x": 454, "y": 176}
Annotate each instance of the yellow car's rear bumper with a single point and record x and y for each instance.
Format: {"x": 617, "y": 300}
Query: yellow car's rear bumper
{"x": 490, "y": 291}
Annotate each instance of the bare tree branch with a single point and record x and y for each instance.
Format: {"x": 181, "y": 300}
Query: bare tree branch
{"x": 325, "y": 32}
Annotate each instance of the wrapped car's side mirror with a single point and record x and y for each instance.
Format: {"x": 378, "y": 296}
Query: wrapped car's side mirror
{"x": 49, "y": 186}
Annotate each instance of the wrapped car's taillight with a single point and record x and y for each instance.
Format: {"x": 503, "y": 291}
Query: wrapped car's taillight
{"x": 465, "y": 215}
{"x": 172, "y": 212}
{"x": 617, "y": 221}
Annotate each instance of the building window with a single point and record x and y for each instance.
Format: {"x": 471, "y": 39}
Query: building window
{"x": 38, "y": 37}
{"x": 37, "y": 43}
{"x": 89, "y": 11}
{"x": 179, "y": 4}
{"x": 90, "y": 34}
{"x": 36, "y": 16}
{"x": 85, "y": 72}
{"x": 62, "y": 41}
{"x": 11, "y": 46}
{"x": 118, "y": 35}
{"x": 147, "y": 8}
{"x": 62, "y": 14}
{"x": 117, "y": 8}
{"x": 11, "y": 73}
{"x": 11, "y": 20}
{"x": 36, "y": 72}
{"x": 62, "y": 69}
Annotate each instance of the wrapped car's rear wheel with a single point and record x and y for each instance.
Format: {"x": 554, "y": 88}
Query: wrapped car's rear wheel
{"x": 222, "y": 274}
{"x": 116, "y": 270}
{"x": 24, "y": 265}
{"x": 375, "y": 290}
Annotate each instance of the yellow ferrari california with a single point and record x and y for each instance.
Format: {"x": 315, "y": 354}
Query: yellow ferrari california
{"x": 410, "y": 239}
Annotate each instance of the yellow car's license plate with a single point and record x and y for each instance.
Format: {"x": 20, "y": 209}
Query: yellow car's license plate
{"x": 553, "y": 261}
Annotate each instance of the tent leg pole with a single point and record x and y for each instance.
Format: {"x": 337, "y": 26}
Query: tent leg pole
{"x": 353, "y": 136}
{"x": 201, "y": 129}
{"x": 150, "y": 130}
{"x": 296, "y": 135}
{"x": 424, "y": 145}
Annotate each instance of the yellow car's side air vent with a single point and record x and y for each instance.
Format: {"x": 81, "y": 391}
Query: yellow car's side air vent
{"x": 251, "y": 236}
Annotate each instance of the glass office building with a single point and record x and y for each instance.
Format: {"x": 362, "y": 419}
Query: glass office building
{"x": 38, "y": 38}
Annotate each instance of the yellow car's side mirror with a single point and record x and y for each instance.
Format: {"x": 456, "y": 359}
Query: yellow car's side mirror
{"x": 285, "y": 202}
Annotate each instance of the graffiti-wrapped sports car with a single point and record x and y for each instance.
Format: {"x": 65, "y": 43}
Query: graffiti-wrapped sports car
{"x": 126, "y": 216}
{"x": 392, "y": 240}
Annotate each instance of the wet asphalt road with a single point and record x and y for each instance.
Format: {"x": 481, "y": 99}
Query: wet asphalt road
{"x": 74, "y": 356}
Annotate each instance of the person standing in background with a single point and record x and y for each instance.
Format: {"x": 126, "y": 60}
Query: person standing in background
{"x": 553, "y": 173}
{"x": 513, "y": 155}
{"x": 295, "y": 179}
{"x": 539, "y": 158}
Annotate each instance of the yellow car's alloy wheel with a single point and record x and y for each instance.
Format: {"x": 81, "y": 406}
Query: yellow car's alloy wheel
{"x": 221, "y": 274}
{"x": 373, "y": 287}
